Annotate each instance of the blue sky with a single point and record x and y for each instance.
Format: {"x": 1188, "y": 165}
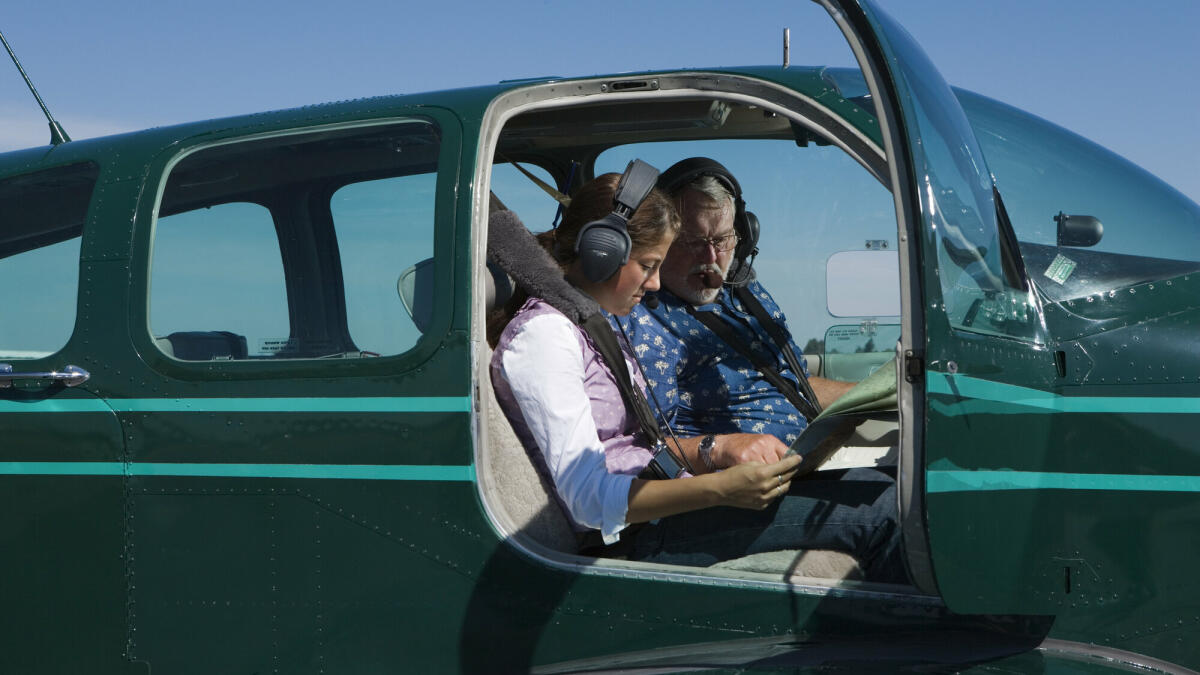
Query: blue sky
{"x": 1118, "y": 72}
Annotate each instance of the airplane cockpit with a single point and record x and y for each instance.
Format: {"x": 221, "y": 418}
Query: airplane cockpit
{"x": 827, "y": 253}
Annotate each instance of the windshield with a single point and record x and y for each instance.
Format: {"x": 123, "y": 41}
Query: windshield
{"x": 979, "y": 292}
{"x": 1150, "y": 230}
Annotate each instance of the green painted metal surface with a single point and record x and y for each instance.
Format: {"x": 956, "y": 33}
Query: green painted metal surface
{"x": 324, "y": 516}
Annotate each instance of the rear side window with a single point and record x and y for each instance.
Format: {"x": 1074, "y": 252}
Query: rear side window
{"x": 217, "y": 276}
{"x": 314, "y": 245}
{"x": 384, "y": 228}
{"x": 41, "y": 223}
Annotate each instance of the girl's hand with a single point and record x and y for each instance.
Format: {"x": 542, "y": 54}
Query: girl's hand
{"x": 755, "y": 485}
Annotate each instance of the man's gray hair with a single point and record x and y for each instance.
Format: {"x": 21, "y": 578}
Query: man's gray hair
{"x": 712, "y": 188}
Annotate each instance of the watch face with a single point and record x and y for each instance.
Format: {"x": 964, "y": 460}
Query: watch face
{"x": 705, "y": 450}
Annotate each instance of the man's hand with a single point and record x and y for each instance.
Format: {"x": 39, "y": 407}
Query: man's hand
{"x": 733, "y": 449}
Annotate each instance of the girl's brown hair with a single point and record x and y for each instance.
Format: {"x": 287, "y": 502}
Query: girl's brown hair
{"x": 655, "y": 219}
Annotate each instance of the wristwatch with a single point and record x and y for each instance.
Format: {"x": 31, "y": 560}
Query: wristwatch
{"x": 705, "y": 450}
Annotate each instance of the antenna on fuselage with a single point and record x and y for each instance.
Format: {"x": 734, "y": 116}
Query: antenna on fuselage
{"x": 57, "y": 135}
{"x": 787, "y": 47}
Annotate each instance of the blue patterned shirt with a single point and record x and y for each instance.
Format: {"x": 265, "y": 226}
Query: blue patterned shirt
{"x": 702, "y": 384}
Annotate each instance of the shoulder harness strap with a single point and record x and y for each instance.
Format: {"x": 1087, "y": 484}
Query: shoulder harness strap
{"x": 802, "y": 397}
{"x": 664, "y": 464}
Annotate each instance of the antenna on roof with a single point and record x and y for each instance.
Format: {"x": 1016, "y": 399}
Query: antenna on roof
{"x": 57, "y": 135}
{"x": 787, "y": 47}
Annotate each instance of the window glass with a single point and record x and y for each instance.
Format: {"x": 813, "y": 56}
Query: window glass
{"x": 43, "y": 216}
{"x": 316, "y": 245}
{"x": 523, "y": 197}
{"x": 853, "y": 352}
{"x": 217, "y": 286}
{"x": 812, "y": 202}
{"x": 955, "y": 189}
{"x": 384, "y": 227}
{"x": 1150, "y": 230}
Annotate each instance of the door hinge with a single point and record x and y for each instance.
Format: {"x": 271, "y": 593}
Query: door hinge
{"x": 914, "y": 365}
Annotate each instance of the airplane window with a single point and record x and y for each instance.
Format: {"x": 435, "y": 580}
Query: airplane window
{"x": 383, "y": 227}
{"x": 1150, "y": 230}
{"x": 312, "y": 234}
{"x": 42, "y": 322}
{"x": 198, "y": 312}
{"x": 812, "y": 202}
{"x": 43, "y": 218}
{"x": 523, "y": 197}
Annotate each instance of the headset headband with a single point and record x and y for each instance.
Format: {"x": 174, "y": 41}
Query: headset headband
{"x": 685, "y": 171}
{"x": 635, "y": 185}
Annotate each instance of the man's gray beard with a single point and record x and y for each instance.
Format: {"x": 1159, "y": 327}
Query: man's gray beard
{"x": 701, "y": 296}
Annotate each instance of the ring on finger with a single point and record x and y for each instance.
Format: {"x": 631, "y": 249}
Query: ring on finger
{"x": 780, "y": 477}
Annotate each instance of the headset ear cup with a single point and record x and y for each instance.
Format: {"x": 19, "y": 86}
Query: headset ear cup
{"x": 603, "y": 246}
{"x": 747, "y": 228}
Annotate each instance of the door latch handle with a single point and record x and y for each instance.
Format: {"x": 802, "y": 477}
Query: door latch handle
{"x": 71, "y": 376}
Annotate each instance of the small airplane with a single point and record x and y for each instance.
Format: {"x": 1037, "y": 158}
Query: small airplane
{"x": 248, "y": 424}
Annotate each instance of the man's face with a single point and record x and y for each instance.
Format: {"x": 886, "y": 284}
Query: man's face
{"x": 695, "y": 268}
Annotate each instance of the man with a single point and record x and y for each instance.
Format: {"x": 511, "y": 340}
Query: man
{"x": 724, "y": 370}
{"x": 708, "y": 354}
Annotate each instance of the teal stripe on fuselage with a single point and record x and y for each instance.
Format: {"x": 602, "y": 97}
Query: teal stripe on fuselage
{"x": 1025, "y": 400}
{"x": 406, "y": 472}
{"x": 961, "y": 480}
{"x": 55, "y": 405}
{"x": 393, "y": 404}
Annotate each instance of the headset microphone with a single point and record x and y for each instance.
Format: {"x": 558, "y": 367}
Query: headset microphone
{"x": 650, "y": 300}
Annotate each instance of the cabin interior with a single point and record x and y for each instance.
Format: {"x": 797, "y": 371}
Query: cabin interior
{"x": 828, "y": 233}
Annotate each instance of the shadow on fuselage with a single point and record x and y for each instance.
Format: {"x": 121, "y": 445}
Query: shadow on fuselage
{"x": 528, "y": 614}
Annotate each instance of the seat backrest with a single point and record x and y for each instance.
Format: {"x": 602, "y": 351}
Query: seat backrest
{"x": 518, "y": 494}
{"x": 206, "y": 345}
{"x": 512, "y": 486}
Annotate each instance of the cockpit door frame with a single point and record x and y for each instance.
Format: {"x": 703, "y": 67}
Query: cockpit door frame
{"x": 864, "y": 42}
{"x": 956, "y": 266}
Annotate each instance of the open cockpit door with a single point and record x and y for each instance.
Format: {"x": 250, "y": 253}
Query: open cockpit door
{"x": 966, "y": 309}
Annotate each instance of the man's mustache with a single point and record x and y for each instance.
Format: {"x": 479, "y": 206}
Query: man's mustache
{"x": 710, "y": 274}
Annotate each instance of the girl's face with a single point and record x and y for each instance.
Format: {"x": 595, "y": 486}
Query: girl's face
{"x": 619, "y": 293}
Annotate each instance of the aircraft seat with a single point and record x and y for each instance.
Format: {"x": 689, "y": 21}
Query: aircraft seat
{"x": 511, "y": 482}
{"x": 514, "y": 487}
{"x": 210, "y": 345}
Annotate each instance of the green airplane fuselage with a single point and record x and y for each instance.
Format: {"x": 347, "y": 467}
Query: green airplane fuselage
{"x": 300, "y": 501}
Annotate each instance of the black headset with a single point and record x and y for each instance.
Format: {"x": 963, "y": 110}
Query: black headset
{"x": 603, "y": 245}
{"x": 745, "y": 223}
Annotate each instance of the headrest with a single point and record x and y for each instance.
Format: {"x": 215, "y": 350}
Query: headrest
{"x": 516, "y": 251}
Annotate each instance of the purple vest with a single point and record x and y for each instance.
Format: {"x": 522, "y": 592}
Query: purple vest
{"x": 625, "y": 450}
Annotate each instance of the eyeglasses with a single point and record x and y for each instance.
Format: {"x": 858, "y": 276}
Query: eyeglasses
{"x": 722, "y": 244}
